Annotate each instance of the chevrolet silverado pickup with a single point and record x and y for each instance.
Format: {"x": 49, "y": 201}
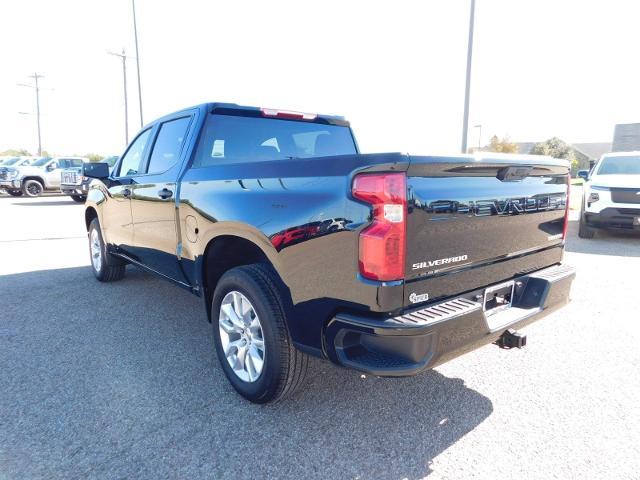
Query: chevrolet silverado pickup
{"x": 300, "y": 245}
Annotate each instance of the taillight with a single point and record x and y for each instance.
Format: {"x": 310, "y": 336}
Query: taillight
{"x": 565, "y": 227}
{"x": 383, "y": 243}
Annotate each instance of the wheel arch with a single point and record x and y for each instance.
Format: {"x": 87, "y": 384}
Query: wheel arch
{"x": 229, "y": 250}
{"x": 90, "y": 214}
{"x": 33, "y": 177}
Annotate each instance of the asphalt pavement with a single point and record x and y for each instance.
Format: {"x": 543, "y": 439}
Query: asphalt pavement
{"x": 121, "y": 381}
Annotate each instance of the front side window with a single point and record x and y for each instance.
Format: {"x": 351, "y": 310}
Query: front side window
{"x": 236, "y": 139}
{"x": 168, "y": 145}
{"x": 132, "y": 160}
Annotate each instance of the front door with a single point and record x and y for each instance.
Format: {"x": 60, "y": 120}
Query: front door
{"x": 52, "y": 174}
{"x": 153, "y": 202}
{"x": 118, "y": 230}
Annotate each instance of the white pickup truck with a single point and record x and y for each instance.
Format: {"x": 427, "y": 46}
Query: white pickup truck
{"x": 42, "y": 175}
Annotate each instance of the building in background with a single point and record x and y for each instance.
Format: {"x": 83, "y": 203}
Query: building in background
{"x": 586, "y": 153}
{"x": 626, "y": 137}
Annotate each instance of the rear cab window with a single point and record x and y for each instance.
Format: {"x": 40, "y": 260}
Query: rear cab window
{"x": 228, "y": 139}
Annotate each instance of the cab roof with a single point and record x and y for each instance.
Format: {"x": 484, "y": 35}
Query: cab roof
{"x": 222, "y": 108}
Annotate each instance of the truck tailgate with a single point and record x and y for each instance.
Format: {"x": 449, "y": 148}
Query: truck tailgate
{"x": 481, "y": 216}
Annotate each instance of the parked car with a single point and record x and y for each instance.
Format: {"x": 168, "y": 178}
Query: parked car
{"x": 74, "y": 183}
{"x": 611, "y": 194}
{"x": 42, "y": 175}
{"x": 7, "y": 168}
{"x": 299, "y": 245}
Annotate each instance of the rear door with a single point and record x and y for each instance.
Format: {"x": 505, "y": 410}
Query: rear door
{"x": 153, "y": 201}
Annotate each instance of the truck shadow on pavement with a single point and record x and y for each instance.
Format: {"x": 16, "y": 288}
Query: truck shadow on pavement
{"x": 120, "y": 380}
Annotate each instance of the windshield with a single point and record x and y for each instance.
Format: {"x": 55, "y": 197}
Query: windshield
{"x": 619, "y": 166}
{"x": 236, "y": 139}
{"x": 11, "y": 161}
{"x": 40, "y": 163}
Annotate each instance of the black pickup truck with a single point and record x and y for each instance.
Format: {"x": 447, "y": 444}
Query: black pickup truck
{"x": 299, "y": 245}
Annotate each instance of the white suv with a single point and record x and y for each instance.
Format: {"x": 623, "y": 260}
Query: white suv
{"x": 611, "y": 197}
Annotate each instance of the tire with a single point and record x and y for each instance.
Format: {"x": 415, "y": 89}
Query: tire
{"x": 283, "y": 366}
{"x": 15, "y": 193}
{"x": 78, "y": 198}
{"x": 105, "y": 266}
{"x": 32, "y": 188}
{"x": 584, "y": 230}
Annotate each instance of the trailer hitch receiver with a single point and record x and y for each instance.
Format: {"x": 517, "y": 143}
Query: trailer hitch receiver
{"x": 512, "y": 339}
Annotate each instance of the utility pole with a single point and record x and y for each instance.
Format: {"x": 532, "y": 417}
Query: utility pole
{"x": 465, "y": 121}
{"x": 135, "y": 34}
{"x": 36, "y": 87}
{"x": 123, "y": 56}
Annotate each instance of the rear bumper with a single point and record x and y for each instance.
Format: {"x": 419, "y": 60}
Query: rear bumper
{"x": 81, "y": 189}
{"x": 614, "y": 218}
{"x": 423, "y": 338}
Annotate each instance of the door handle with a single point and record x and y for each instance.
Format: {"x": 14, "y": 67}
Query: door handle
{"x": 126, "y": 193}
{"x": 165, "y": 193}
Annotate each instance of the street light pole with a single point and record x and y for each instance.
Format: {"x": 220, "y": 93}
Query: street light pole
{"x": 465, "y": 122}
{"x": 36, "y": 87}
{"x": 123, "y": 56}
{"x": 135, "y": 34}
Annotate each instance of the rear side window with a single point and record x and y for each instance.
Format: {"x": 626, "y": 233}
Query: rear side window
{"x": 235, "y": 139}
{"x": 131, "y": 161}
{"x": 168, "y": 145}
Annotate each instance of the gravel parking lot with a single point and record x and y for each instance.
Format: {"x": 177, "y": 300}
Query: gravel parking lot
{"x": 120, "y": 381}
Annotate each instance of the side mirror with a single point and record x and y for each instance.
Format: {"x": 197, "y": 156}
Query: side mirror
{"x": 51, "y": 167}
{"x": 583, "y": 174}
{"x": 98, "y": 170}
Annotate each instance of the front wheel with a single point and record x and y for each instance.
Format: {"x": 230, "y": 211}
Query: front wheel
{"x": 78, "y": 198}
{"x": 32, "y": 188}
{"x": 106, "y": 267}
{"x": 584, "y": 230}
{"x": 251, "y": 336}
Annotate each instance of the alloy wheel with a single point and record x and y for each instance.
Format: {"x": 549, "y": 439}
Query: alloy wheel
{"x": 96, "y": 250}
{"x": 241, "y": 336}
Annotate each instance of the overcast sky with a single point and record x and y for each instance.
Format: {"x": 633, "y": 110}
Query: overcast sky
{"x": 395, "y": 69}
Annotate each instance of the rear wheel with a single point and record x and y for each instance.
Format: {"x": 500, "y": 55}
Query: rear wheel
{"x": 32, "y": 188}
{"x": 251, "y": 336}
{"x": 106, "y": 267}
{"x": 15, "y": 193}
{"x": 78, "y": 198}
